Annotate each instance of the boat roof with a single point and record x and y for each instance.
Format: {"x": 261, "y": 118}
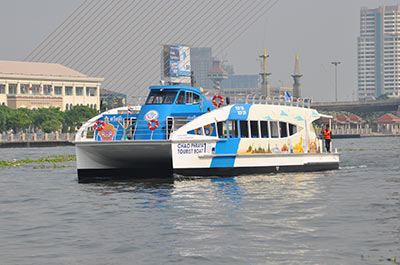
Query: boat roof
{"x": 177, "y": 87}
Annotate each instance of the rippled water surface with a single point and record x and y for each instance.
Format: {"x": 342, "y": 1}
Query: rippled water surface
{"x": 349, "y": 216}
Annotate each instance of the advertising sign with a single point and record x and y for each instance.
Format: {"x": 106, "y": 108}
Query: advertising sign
{"x": 176, "y": 63}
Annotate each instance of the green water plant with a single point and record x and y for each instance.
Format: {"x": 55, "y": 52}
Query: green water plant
{"x": 47, "y": 159}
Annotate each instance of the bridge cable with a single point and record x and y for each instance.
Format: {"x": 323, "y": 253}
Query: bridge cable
{"x": 54, "y": 31}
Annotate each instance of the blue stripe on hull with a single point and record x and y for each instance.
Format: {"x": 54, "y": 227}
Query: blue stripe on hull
{"x": 225, "y": 147}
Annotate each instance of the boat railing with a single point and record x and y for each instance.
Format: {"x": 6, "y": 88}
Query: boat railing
{"x": 274, "y": 100}
{"x": 136, "y": 130}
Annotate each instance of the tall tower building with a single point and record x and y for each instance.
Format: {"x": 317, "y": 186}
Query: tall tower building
{"x": 296, "y": 78}
{"x": 201, "y": 61}
{"x": 265, "y": 84}
{"x": 379, "y": 52}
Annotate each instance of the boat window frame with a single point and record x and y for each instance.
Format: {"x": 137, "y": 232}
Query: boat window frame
{"x": 251, "y": 129}
{"x": 294, "y": 126}
{"x": 177, "y": 101}
{"x": 283, "y": 126}
{"x": 198, "y": 98}
{"x": 189, "y": 98}
{"x": 164, "y": 94}
{"x": 240, "y": 128}
{"x": 218, "y": 130}
{"x": 268, "y": 130}
{"x": 213, "y": 127}
{"x": 235, "y": 129}
{"x": 277, "y": 127}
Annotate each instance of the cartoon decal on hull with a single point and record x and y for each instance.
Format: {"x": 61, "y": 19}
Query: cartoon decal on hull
{"x": 108, "y": 131}
{"x": 257, "y": 147}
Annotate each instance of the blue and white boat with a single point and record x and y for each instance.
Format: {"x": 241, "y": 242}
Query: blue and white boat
{"x": 250, "y": 139}
{"x": 135, "y": 141}
{"x": 179, "y": 131}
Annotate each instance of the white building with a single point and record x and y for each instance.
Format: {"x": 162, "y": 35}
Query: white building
{"x": 379, "y": 52}
{"x": 42, "y": 85}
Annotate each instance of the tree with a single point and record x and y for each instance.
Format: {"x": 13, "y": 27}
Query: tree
{"x": 18, "y": 120}
{"x": 47, "y": 114}
{"x": 4, "y": 116}
{"x": 51, "y": 126}
{"x": 78, "y": 115}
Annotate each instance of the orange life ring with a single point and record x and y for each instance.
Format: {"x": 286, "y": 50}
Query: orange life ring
{"x": 99, "y": 125}
{"x": 150, "y": 124}
{"x": 221, "y": 100}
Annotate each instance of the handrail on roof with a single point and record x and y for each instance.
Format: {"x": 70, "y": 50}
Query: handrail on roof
{"x": 275, "y": 100}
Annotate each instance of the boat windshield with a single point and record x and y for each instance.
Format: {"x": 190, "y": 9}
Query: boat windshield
{"x": 164, "y": 97}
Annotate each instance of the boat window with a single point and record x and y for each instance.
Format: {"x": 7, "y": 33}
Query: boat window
{"x": 179, "y": 122}
{"x": 197, "y": 131}
{"x": 283, "y": 129}
{"x": 189, "y": 97}
{"x": 181, "y": 98}
{"x": 292, "y": 129}
{"x": 233, "y": 129}
{"x": 222, "y": 129}
{"x": 244, "y": 129}
{"x": 264, "y": 129}
{"x": 274, "y": 129}
{"x": 254, "y": 129}
{"x": 196, "y": 98}
{"x": 209, "y": 130}
{"x": 170, "y": 125}
{"x": 158, "y": 97}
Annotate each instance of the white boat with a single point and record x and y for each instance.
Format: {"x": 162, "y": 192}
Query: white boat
{"x": 250, "y": 139}
{"x": 179, "y": 131}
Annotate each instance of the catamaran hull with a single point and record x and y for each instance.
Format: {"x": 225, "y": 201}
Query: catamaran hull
{"x": 247, "y": 164}
{"x": 239, "y": 171}
{"x": 97, "y": 161}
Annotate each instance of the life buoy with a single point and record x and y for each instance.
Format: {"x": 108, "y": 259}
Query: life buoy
{"x": 151, "y": 126}
{"x": 221, "y": 100}
{"x": 99, "y": 125}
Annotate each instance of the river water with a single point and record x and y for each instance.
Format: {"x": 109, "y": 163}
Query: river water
{"x": 348, "y": 216}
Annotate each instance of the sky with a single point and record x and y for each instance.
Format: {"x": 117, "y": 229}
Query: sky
{"x": 320, "y": 31}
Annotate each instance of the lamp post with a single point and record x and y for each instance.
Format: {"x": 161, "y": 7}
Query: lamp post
{"x": 335, "y": 64}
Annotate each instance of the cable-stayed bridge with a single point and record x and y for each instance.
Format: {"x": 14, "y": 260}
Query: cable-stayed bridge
{"x": 121, "y": 40}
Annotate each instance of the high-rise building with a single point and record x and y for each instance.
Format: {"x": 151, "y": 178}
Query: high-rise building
{"x": 201, "y": 63}
{"x": 379, "y": 52}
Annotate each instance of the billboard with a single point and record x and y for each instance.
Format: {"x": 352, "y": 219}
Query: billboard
{"x": 176, "y": 64}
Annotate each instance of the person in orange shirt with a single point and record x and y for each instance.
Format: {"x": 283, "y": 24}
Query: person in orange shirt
{"x": 327, "y": 133}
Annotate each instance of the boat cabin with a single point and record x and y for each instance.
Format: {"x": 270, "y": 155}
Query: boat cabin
{"x": 166, "y": 109}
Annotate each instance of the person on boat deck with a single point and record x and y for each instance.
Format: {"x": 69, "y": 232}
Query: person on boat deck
{"x": 327, "y": 133}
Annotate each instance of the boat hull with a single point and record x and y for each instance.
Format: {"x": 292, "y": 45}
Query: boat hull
{"x": 239, "y": 171}
{"x": 98, "y": 161}
{"x": 185, "y": 156}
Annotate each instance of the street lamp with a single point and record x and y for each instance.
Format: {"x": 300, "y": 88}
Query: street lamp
{"x": 335, "y": 64}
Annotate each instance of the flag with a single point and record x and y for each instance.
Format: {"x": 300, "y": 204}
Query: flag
{"x": 130, "y": 110}
{"x": 287, "y": 96}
